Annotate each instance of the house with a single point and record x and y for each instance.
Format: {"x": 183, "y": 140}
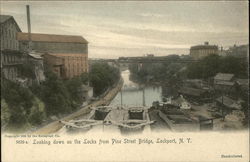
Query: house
{"x": 200, "y": 51}
{"x": 227, "y": 105}
{"x": 243, "y": 85}
{"x": 194, "y": 93}
{"x": 224, "y": 82}
{"x": 11, "y": 58}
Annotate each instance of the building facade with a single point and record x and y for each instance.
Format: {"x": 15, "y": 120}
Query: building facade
{"x": 241, "y": 51}
{"x": 10, "y": 61}
{"x": 8, "y": 29}
{"x": 67, "y": 65}
{"x": 224, "y": 82}
{"x": 201, "y": 51}
{"x": 66, "y": 55}
{"x": 10, "y": 56}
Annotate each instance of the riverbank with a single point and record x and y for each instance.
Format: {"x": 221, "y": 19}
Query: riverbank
{"x": 56, "y": 125}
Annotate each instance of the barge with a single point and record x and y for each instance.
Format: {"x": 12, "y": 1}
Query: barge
{"x": 177, "y": 120}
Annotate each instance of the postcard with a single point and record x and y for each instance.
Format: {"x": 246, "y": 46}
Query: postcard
{"x": 124, "y": 81}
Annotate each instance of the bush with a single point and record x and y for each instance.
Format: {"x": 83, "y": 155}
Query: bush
{"x": 37, "y": 114}
{"x": 5, "y": 113}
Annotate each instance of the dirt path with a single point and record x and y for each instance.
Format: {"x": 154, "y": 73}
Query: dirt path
{"x": 55, "y": 126}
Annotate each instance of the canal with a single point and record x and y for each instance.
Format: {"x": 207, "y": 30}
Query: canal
{"x": 132, "y": 93}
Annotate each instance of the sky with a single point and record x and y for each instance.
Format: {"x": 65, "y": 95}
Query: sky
{"x": 136, "y": 28}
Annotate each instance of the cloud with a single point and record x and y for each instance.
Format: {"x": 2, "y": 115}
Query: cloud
{"x": 136, "y": 28}
{"x": 153, "y": 15}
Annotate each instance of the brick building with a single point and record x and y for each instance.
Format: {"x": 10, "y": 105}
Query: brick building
{"x": 201, "y": 51}
{"x": 67, "y": 55}
{"x": 67, "y": 65}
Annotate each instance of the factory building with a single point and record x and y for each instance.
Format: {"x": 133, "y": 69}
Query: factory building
{"x": 67, "y": 65}
{"x": 67, "y": 55}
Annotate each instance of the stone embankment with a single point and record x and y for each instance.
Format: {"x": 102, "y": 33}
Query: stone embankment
{"x": 56, "y": 125}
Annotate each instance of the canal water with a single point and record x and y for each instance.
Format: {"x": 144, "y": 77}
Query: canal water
{"x": 132, "y": 93}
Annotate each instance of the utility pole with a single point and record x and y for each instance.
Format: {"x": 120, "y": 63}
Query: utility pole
{"x": 121, "y": 98}
{"x": 143, "y": 97}
{"x": 29, "y": 28}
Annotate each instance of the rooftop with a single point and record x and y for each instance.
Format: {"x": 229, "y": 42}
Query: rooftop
{"x": 180, "y": 119}
{"x": 204, "y": 47}
{"x": 192, "y": 91}
{"x": 66, "y": 54}
{"x": 4, "y": 18}
{"x": 228, "y": 102}
{"x": 224, "y": 76}
{"x": 228, "y": 83}
{"x": 243, "y": 81}
{"x": 37, "y": 37}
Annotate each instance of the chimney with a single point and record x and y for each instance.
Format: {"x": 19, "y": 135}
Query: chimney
{"x": 29, "y": 27}
{"x": 206, "y": 43}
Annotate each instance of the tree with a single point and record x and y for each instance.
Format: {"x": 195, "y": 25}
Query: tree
{"x": 103, "y": 76}
{"x": 55, "y": 95}
{"x": 209, "y": 66}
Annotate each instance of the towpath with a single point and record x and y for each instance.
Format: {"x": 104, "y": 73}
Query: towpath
{"x": 56, "y": 125}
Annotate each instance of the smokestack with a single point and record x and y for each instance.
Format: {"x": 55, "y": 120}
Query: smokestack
{"x": 29, "y": 26}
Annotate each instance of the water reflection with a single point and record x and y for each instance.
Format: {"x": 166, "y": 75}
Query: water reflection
{"x": 132, "y": 93}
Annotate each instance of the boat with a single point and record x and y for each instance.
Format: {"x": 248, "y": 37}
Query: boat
{"x": 177, "y": 120}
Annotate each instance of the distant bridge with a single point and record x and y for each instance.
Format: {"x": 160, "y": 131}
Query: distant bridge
{"x": 162, "y": 59}
{"x": 123, "y": 62}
